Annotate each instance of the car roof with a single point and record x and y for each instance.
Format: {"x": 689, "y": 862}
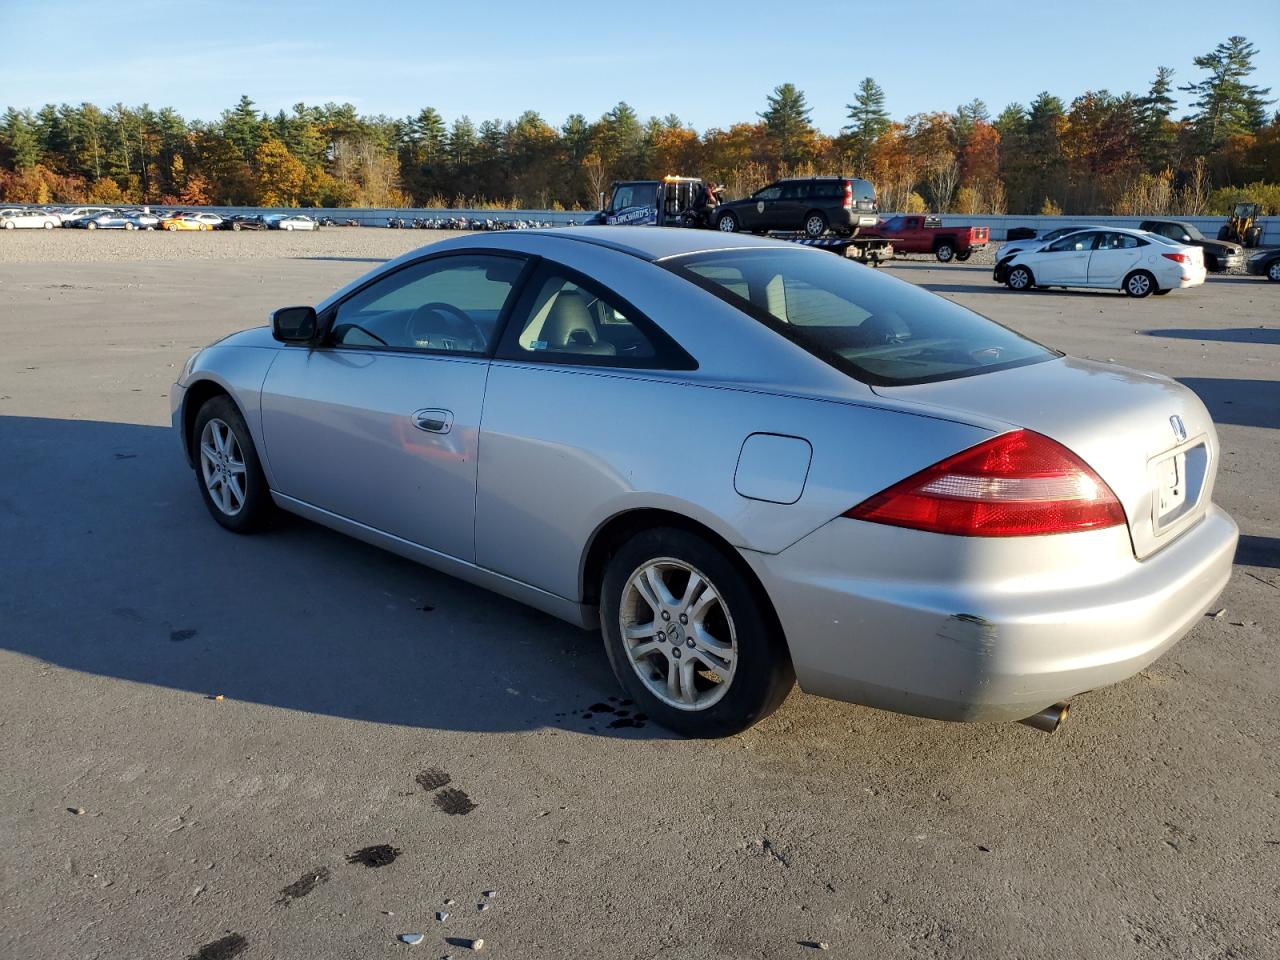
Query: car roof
{"x": 658, "y": 243}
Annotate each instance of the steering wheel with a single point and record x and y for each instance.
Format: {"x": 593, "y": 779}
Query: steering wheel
{"x": 457, "y": 319}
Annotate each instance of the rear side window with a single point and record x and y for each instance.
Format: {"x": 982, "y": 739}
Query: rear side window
{"x": 1119, "y": 241}
{"x": 1072, "y": 242}
{"x": 873, "y": 327}
{"x": 563, "y": 317}
{"x": 828, "y": 189}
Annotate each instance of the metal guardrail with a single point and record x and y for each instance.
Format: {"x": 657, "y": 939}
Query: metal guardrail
{"x": 998, "y": 225}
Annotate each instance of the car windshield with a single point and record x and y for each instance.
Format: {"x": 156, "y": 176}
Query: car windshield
{"x": 894, "y": 223}
{"x": 1060, "y": 232}
{"x": 875, "y": 328}
{"x": 1163, "y": 239}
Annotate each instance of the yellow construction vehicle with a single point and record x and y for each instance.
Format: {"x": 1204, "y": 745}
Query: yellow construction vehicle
{"x": 1243, "y": 227}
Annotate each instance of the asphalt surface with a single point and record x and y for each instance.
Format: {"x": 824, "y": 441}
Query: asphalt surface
{"x": 199, "y": 730}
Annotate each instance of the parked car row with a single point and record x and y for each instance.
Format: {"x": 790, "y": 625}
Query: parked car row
{"x": 134, "y": 218}
{"x": 1157, "y": 257}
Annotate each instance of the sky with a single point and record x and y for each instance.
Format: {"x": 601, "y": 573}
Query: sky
{"x": 711, "y": 63}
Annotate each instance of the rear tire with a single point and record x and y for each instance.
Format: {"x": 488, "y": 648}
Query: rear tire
{"x": 724, "y": 611}
{"x": 1019, "y": 278}
{"x": 232, "y": 465}
{"x": 964, "y": 255}
{"x": 1253, "y": 237}
{"x": 945, "y": 252}
{"x": 1273, "y": 271}
{"x": 48, "y": 225}
{"x": 1161, "y": 293}
{"x": 727, "y": 223}
{"x": 815, "y": 224}
{"x": 1140, "y": 284}
{"x": 91, "y": 225}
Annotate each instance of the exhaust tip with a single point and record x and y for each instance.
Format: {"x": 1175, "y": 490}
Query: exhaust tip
{"x": 1048, "y": 719}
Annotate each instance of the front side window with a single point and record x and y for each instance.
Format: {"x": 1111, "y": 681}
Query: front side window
{"x": 873, "y": 327}
{"x": 768, "y": 193}
{"x": 1072, "y": 243}
{"x": 447, "y": 304}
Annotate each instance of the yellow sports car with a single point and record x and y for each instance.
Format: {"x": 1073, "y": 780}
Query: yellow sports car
{"x": 184, "y": 221}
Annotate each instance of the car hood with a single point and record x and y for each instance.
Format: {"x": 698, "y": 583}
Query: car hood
{"x": 253, "y": 337}
{"x": 1221, "y": 247}
{"x": 1116, "y": 419}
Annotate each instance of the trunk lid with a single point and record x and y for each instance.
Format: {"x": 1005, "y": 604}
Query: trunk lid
{"x": 1147, "y": 436}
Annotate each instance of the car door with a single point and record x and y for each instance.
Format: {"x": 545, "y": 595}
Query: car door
{"x": 380, "y": 422}
{"x": 762, "y": 214}
{"x": 1065, "y": 262}
{"x": 1113, "y": 256}
{"x": 790, "y": 209}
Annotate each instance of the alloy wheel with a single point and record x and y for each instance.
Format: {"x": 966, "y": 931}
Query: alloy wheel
{"x": 727, "y": 224}
{"x": 678, "y": 634}
{"x": 222, "y": 466}
{"x": 1139, "y": 285}
{"x": 1273, "y": 272}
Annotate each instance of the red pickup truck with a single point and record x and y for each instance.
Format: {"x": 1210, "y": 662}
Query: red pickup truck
{"x": 922, "y": 234}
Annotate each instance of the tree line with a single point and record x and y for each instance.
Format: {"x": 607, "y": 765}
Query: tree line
{"x": 1101, "y": 153}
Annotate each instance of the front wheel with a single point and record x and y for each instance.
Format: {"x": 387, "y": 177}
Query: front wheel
{"x": 48, "y": 225}
{"x": 1139, "y": 284}
{"x": 1019, "y": 278}
{"x": 9, "y": 225}
{"x": 91, "y": 225}
{"x": 1273, "y": 271}
{"x": 727, "y": 223}
{"x": 228, "y": 472}
{"x": 130, "y": 226}
{"x": 815, "y": 225}
{"x": 689, "y": 637}
{"x": 945, "y": 252}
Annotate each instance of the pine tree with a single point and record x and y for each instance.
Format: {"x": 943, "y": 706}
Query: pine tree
{"x": 243, "y": 127}
{"x": 968, "y": 116}
{"x": 786, "y": 121}
{"x": 868, "y": 118}
{"x": 1224, "y": 104}
{"x": 20, "y": 134}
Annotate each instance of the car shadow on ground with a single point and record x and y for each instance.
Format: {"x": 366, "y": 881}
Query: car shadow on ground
{"x": 1246, "y": 403}
{"x": 113, "y": 567}
{"x": 1262, "y": 335}
{"x": 1258, "y": 551}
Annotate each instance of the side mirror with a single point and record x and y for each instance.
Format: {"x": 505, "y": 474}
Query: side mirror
{"x": 294, "y": 324}
{"x": 1185, "y": 238}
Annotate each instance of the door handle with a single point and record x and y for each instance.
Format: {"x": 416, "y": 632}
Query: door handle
{"x": 433, "y": 420}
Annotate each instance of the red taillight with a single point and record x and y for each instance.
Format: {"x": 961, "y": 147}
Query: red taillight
{"x": 1176, "y": 257}
{"x": 1019, "y": 484}
{"x": 848, "y": 195}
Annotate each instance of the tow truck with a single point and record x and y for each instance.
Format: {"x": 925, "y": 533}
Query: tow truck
{"x": 669, "y": 203}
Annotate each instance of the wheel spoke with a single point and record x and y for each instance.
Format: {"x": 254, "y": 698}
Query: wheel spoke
{"x": 688, "y": 692}
{"x": 224, "y": 495}
{"x": 208, "y": 452}
{"x": 691, "y": 590}
{"x": 236, "y": 468}
{"x": 646, "y": 593}
{"x": 642, "y": 650}
{"x": 638, "y": 631}
{"x": 659, "y": 586}
{"x": 237, "y": 491}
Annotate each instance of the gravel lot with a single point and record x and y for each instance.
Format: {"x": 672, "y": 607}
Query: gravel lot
{"x": 201, "y": 732}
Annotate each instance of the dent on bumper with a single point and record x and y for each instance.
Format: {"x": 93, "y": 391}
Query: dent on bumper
{"x": 956, "y": 630}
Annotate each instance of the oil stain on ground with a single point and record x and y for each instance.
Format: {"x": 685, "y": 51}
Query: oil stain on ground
{"x": 376, "y": 856}
{"x": 615, "y": 708}
{"x": 232, "y": 945}
{"x": 433, "y": 778}
{"x": 303, "y": 885}
{"x": 454, "y": 802}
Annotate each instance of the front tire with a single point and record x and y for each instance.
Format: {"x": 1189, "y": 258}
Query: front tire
{"x": 689, "y": 638}
{"x": 48, "y": 225}
{"x": 1140, "y": 284}
{"x": 815, "y": 225}
{"x": 945, "y": 252}
{"x": 91, "y": 225}
{"x": 1019, "y": 278}
{"x": 228, "y": 472}
{"x": 727, "y": 223}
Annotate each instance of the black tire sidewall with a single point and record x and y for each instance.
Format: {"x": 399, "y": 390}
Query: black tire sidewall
{"x": 764, "y": 674}
{"x": 1152, "y": 288}
{"x": 731, "y": 218}
{"x": 257, "y": 499}
{"x": 937, "y": 252}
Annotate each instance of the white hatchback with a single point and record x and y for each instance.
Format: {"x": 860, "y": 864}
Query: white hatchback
{"x": 1114, "y": 258}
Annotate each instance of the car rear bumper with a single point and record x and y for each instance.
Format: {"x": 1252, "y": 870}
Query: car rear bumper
{"x": 973, "y": 629}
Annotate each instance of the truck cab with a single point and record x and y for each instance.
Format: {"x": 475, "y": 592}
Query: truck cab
{"x": 649, "y": 202}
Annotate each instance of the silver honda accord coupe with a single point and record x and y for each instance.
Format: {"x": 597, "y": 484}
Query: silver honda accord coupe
{"x": 745, "y": 461}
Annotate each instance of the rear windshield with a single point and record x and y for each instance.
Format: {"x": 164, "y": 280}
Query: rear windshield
{"x": 875, "y": 328}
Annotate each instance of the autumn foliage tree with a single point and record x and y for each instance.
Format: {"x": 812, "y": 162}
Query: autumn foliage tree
{"x": 1100, "y": 152}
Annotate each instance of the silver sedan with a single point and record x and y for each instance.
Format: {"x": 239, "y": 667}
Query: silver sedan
{"x": 745, "y": 461}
